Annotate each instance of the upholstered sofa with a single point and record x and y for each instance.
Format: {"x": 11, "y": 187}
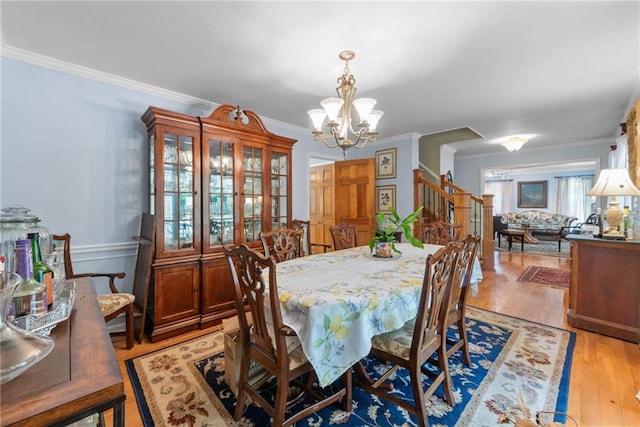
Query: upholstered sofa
{"x": 540, "y": 224}
{"x": 537, "y": 220}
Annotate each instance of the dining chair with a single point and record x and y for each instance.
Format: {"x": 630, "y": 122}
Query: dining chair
{"x": 265, "y": 342}
{"x": 112, "y": 305}
{"x": 283, "y": 243}
{"x": 458, "y": 299}
{"x": 413, "y": 345}
{"x": 440, "y": 232}
{"x": 344, "y": 236}
{"x": 299, "y": 224}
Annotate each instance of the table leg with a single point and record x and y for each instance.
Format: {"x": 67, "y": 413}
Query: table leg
{"x": 528, "y": 237}
{"x": 510, "y": 239}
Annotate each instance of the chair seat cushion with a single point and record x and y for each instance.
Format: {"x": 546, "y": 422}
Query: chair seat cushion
{"x": 297, "y": 358}
{"x": 396, "y": 342}
{"x": 110, "y": 303}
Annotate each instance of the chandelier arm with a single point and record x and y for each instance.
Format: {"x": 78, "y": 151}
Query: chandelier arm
{"x": 323, "y": 138}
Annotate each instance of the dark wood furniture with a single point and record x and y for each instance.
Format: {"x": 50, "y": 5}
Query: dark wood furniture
{"x": 413, "y": 345}
{"x": 78, "y": 378}
{"x": 270, "y": 349}
{"x": 112, "y": 305}
{"x": 215, "y": 180}
{"x": 305, "y": 226}
{"x": 282, "y": 243}
{"x": 441, "y": 232}
{"x": 509, "y": 234}
{"x": 604, "y": 293}
{"x": 344, "y": 236}
{"x": 142, "y": 277}
{"x": 457, "y": 316}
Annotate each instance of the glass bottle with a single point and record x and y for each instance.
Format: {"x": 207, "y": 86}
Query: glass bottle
{"x": 15, "y": 223}
{"x": 30, "y": 296}
{"x": 41, "y": 271}
{"x": 19, "y": 349}
{"x": 599, "y": 222}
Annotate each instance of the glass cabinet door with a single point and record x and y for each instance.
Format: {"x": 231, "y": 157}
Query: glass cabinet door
{"x": 219, "y": 164}
{"x": 178, "y": 192}
{"x": 279, "y": 194}
{"x": 252, "y": 193}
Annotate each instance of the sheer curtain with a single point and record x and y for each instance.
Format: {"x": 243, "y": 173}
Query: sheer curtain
{"x": 572, "y": 199}
{"x": 502, "y": 191}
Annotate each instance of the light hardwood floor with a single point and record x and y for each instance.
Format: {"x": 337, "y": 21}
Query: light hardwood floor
{"x": 605, "y": 375}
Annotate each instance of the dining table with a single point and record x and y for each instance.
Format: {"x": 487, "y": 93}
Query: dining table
{"x": 337, "y": 301}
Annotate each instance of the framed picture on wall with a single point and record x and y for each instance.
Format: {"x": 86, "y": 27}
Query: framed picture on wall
{"x": 532, "y": 194}
{"x": 385, "y": 198}
{"x": 386, "y": 163}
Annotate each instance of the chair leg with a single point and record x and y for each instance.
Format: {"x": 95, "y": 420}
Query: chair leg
{"x": 347, "y": 400}
{"x": 419, "y": 397}
{"x": 446, "y": 383}
{"x": 129, "y": 326}
{"x": 462, "y": 330}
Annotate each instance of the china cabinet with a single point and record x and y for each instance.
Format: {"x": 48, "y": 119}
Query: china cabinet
{"x": 214, "y": 180}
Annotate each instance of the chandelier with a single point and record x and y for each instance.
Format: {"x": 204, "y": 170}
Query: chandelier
{"x": 514, "y": 143}
{"x": 341, "y": 133}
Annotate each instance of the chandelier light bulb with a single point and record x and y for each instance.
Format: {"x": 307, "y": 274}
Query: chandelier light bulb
{"x": 317, "y": 117}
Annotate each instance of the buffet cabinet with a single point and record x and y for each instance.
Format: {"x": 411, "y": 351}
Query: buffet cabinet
{"x": 604, "y": 293}
{"x": 214, "y": 180}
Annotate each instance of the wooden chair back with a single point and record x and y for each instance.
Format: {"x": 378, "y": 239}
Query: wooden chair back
{"x": 298, "y": 224}
{"x": 441, "y": 232}
{"x": 112, "y": 305}
{"x": 265, "y": 341}
{"x": 282, "y": 243}
{"x": 415, "y": 343}
{"x": 458, "y": 300}
{"x": 344, "y": 236}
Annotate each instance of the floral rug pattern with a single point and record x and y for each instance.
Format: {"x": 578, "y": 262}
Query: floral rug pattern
{"x": 537, "y": 275}
{"x": 184, "y": 384}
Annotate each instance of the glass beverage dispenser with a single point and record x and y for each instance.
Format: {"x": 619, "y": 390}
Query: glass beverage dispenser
{"x": 15, "y": 223}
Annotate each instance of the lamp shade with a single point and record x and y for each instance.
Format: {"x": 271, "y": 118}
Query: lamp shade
{"x": 614, "y": 182}
{"x": 514, "y": 143}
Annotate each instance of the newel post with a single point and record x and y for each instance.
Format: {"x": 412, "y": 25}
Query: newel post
{"x": 488, "y": 243}
{"x": 462, "y": 212}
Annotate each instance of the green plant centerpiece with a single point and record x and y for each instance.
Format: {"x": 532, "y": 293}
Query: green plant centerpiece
{"x": 388, "y": 226}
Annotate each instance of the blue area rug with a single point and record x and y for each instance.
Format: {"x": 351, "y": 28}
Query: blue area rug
{"x": 184, "y": 384}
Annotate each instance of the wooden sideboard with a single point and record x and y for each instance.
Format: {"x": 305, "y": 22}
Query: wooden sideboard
{"x": 604, "y": 295}
{"x": 79, "y": 377}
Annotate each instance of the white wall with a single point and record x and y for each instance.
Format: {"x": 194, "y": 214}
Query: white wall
{"x": 468, "y": 170}
{"x": 74, "y": 151}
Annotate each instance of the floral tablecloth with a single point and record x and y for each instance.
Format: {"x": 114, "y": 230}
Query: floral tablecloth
{"x": 338, "y": 300}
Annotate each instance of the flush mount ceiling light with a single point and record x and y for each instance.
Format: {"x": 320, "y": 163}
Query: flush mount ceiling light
{"x": 514, "y": 143}
{"x": 341, "y": 133}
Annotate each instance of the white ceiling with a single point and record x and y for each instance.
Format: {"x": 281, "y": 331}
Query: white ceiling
{"x": 561, "y": 72}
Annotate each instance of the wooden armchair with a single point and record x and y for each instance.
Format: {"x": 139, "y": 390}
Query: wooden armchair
{"x": 113, "y": 304}
{"x": 298, "y": 224}
{"x": 440, "y": 232}
{"x": 413, "y": 345}
{"x": 285, "y": 243}
{"x": 344, "y": 236}
{"x": 265, "y": 342}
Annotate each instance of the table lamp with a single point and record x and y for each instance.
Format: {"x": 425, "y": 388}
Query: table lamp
{"x": 614, "y": 182}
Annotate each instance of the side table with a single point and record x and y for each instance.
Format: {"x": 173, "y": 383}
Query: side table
{"x": 80, "y": 376}
{"x": 510, "y": 234}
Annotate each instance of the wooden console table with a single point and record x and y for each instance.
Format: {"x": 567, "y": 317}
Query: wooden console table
{"x": 604, "y": 293}
{"x": 78, "y": 378}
